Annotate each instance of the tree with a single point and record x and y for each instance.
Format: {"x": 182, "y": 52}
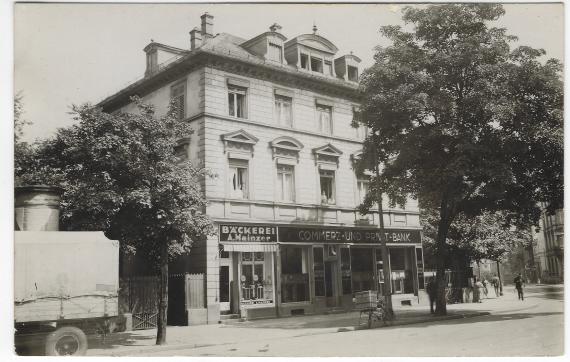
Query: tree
{"x": 463, "y": 123}
{"x": 120, "y": 174}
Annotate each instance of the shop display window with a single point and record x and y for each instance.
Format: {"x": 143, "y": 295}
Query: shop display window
{"x": 294, "y": 274}
{"x": 319, "y": 269}
{"x": 256, "y": 281}
{"x": 362, "y": 267}
{"x": 345, "y": 271}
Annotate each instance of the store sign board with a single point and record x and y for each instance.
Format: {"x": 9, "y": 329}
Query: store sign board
{"x": 348, "y": 235}
{"x": 249, "y": 233}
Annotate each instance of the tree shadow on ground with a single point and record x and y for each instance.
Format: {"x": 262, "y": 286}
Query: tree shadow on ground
{"x": 484, "y": 318}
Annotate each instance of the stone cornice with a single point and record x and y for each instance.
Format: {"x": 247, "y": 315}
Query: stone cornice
{"x": 250, "y": 66}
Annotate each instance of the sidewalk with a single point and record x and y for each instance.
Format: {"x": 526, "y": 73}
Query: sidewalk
{"x": 141, "y": 342}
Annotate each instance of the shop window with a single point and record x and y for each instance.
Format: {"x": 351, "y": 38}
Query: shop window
{"x": 319, "y": 270}
{"x": 275, "y": 52}
{"x": 237, "y": 101}
{"x": 327, "y": 187}
{"x": 256, "y": 286}
{"x": 238, "y": 179}
{"x": 324, "y": 119}
{"x": 304, "y": 61}
{"x": 178, "y": 97}
{"x": 294, "y": 274}
{"x": 345, "y": 271}
{"x": 285, "y": 183}
{"x": 362, "y": 264}
{"x": 316, "y": 64}
{"x": 283, "y": 110}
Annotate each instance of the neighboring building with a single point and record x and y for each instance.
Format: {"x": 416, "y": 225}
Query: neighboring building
{"x": 549, "y": 248}
{"x": 272, "y": 119}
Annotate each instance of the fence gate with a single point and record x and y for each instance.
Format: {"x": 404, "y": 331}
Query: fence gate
{"x": 138, "y": 296}
{"x": 195, "y": 296}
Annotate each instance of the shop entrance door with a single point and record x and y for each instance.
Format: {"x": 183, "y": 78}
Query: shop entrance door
{"x": 330, "y": 277}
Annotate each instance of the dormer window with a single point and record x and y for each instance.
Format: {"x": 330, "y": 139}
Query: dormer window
{"x": 352, "y": 73}
{"x": 304, "y": 61}
{"x": 275, "y": 52}
{"x": 316, "y": 64}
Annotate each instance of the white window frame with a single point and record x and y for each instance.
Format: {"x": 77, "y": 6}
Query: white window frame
{"x": 283, "y": 169}
{"x": 360, "y": 180}
{"x": 318, "y": 110}
{"x": 283, "y": 99}
{"x": 234, "y": 163}
{"x": 327, "y": 174}
{"x": 234, "y": 91}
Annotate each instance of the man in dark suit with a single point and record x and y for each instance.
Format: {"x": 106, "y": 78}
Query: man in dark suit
{"x": 519, "y": 282}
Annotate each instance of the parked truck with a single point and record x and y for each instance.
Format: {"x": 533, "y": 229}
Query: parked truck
{"x": 65, "y": 287}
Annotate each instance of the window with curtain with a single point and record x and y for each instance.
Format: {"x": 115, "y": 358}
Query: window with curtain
{"x": 362, "y": 185}
{"x": 237, "y": 102}
{"x": 324, "y": 119}
{"x": 327, "y": 187}
{"x": 283, "y": 110}
{"x": 238, "y": 179}
{"x": 285, "y": 183}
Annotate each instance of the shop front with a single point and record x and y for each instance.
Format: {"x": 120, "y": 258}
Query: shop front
{"x": 283, "y": 270}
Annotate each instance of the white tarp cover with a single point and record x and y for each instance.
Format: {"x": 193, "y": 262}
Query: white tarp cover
{"x": 64, "y": 263}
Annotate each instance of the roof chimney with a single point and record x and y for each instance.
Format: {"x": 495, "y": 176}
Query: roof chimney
{"x": 195, "y": 38}
{"x": 207, "y": 26}
{"x": 276, "y": 28}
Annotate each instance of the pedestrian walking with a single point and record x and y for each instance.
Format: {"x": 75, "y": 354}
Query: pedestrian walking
{"x": 519, "y": 283}
{"x": 431, "y": 290}
{"x": 495, "y": 281}
{"x": 485, "y": 290}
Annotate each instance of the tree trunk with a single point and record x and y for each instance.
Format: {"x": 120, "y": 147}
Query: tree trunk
{"x": 499, "y": 276}
{"x": 445, "y": 219}
{"x": 162, "y": 296}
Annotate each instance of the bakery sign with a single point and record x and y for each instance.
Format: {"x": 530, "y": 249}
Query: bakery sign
{"x": 249, "y": 233}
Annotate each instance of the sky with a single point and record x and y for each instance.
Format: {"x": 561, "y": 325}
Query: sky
{"x": 73, "y": 53}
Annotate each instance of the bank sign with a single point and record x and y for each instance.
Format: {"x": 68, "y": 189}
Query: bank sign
{"x": 348, "y": 235}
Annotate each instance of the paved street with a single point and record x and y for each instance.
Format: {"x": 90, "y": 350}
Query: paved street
{"x": 533, "y": 327}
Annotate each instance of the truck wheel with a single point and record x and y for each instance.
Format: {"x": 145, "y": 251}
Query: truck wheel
{"x": 66, "y": 341}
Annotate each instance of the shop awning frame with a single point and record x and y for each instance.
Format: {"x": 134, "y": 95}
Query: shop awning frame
{"x": 250, "y": 247}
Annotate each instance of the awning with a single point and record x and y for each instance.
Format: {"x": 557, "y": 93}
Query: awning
{"x": 250, "y": 247}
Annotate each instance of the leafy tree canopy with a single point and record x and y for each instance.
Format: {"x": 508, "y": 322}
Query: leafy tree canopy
{"x": 461, "y": 121}
{"x": 119, "y": 174}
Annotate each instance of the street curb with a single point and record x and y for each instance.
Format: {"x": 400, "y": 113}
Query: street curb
{"x": 416, "y": 321}
{"x": 174, "y": 347}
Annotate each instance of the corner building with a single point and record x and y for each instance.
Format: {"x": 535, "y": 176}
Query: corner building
{"x": 272, "y": 120}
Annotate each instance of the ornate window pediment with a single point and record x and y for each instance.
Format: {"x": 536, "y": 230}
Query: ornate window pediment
{"x": 286, "y": 147}
{"x": 239, "y": 141}
{"x": 327, "y": 154}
